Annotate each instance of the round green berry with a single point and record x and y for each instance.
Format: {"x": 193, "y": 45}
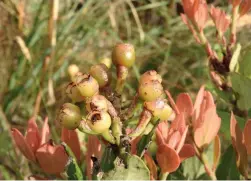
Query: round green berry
{"x": 73, "y": 93}
{"x": 150, "y": 90}
{"x": 97, "y": 103}
{"x": 99, "y": 121}
{"x": 87, "y": 85}
{"x": 149, "y": 76}
{"x": 101, "y": 73}
{"x": 123, "y": 54}
{"x": 159, "y": 109}
{"x": 69, "y": 116}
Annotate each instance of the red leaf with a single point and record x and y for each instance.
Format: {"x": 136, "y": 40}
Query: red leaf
{"x": 209, "y": 129}
{"x": 239, "y": 146}
{"x": 70, "y": 137}
{"x": 185, "y": 104}
{"x": 186, "y": 151}
{"x": 32, "y": 135}
{"x": 247, "y": 136}
{"x": 151, "y": 165}
{"x": 167, "y": 158}
{"x": 22, "y": 145}
{"x": 52, "y": 159}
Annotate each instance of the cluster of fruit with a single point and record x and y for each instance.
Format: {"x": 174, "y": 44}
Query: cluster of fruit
{"x": 103, "y": 117}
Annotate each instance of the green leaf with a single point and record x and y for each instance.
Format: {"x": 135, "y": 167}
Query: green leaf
{"x": 72, "y": 169}
{"x": 242, "y": 86}
{"x": 245, "y": 65}
{"x": 224, "y": 96}
{"x": 107, "y": 162}
{"x": 177, "y": 175}
{"x": 227, "y": 169}
{"x": 235, "y": 58}
{"x": 193, "y": 169}
{"x": 134, "y": 170}
{"x": 225, "y": 123}
{"x": 145, "y": 141}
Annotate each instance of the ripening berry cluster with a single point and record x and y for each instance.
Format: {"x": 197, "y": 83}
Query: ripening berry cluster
{"x": 152, "y": 92}
{"x": 101, "y": 116}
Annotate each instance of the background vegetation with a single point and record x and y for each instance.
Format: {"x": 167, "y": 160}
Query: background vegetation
{"x": 37, "y": 45}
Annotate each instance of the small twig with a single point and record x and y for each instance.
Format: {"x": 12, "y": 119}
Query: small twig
{"x": 24, "y": 48}
{"x": 53, "y": 42}
{"x": 21, "y": 14}
{"x": 136, "y": 17}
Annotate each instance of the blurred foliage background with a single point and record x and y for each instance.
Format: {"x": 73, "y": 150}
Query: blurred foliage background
{"x": 40, "y": 38}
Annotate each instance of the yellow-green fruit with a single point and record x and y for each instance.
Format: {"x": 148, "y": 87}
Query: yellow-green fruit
{"x": 97, "y": 103}
{"x": 87, "y": 85}
{"x": 159, "y": 109}
{"x": 99, "y": 121}
{"x": 73, "y": 70}
{"x": 107, "y": 62}
{"x": 101, "y": 73}
{"x": 69, "y": 116}
{"x": 150, "y": 90}
{"x": 149, "y": 76}
{"x": 73, "y": 93}
{"x": 123, "y": 54}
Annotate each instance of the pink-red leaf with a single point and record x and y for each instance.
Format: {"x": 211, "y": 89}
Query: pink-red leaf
{"x": 70, "y": 137}
{"x": 93, "y": 149}
{"x": 22, "y": 145}
{"x": 186, "y": 151}
{"x": 167, "y": 158}
{"x": 185, "y": 104}
{"x": 239, "y": 146}
{"x": 182, "y": 140}
{"x": 247, "y": 136}
{"x": 162, "y": 132}
{"x": 209, "y": 129}
{"x": 52, "y": 159}
{"x": 32, "y": 135}
{"x": 151, "y": 165}
{"x": 197, "y": 105}
{"x": 245, "y": 7}
{"x": 170, "y": 98}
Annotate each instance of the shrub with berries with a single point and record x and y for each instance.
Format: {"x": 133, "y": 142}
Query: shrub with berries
{"x": 153, "y": 136}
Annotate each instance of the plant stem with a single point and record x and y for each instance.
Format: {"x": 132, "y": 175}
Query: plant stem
{"x": 233, "y": 25}
{"x": 131, "y": 110}
{"x": 207, "y": 167}
{"x": 117, "y": 129}
{"x": 108, "y": 136}
{"x": 203, "y": 158}
{"x": 145, "y": 118}
{"x": 122, "y": 73}
{"x": 163, "y": 176}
